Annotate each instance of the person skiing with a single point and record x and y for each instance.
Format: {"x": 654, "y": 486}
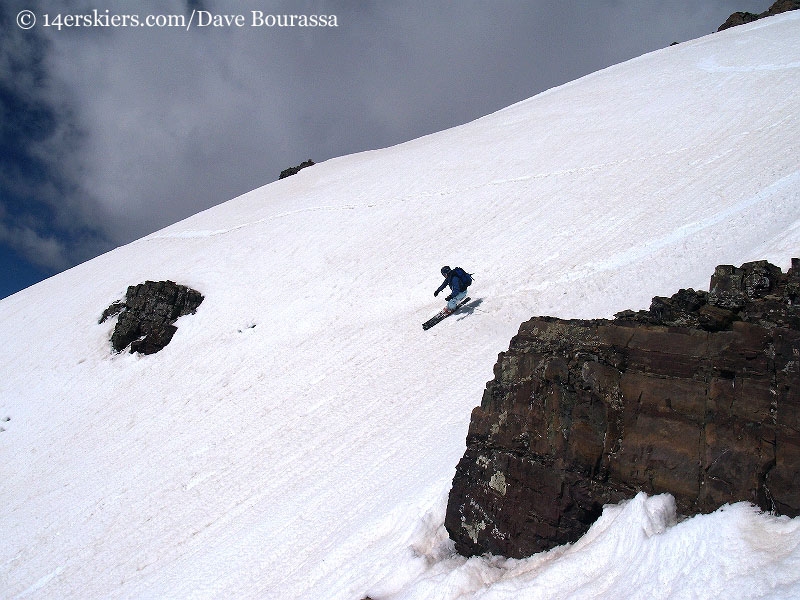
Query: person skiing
{"x": 458, "y": 280}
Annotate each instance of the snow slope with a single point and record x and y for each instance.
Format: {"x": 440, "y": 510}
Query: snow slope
{"x": 298, "y": 436}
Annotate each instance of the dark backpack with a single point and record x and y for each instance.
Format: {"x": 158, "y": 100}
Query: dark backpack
{"x": 466, "y": 278}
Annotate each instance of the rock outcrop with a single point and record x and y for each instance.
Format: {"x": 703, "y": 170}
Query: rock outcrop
{"x": 740, "y": 18}
{"x": 295, "y": 170}
{"x": 698, "y": 397}
{"x": 148, "y": 313}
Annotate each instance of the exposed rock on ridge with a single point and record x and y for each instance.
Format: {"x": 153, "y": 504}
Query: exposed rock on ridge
{"x": 740, "y": 18}
{"x": 148, "y": 313}
{"x": 295, "y": 170}
{"x": 698, "y": 397}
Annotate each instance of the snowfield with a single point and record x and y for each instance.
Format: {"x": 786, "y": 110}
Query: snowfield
{"x": 298, "y": 437}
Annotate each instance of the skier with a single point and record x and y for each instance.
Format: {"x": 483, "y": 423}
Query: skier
{"x": 458, "y": 280}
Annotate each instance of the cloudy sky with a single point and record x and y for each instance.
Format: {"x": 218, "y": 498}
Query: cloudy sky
{"x": 109, "y": 133}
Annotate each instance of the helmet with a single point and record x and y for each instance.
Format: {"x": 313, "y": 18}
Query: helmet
{"x": 445, "y": 270}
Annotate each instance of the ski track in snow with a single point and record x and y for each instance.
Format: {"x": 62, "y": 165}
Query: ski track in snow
{"x": 40, "y": 584}
{"x": 639, "y": 253}
{"x": 459, "y": 191}
{"x": 712, "y": 66}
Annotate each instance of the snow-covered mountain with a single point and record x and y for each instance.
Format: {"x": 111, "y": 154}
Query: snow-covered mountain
{"x": 298, "y": 436}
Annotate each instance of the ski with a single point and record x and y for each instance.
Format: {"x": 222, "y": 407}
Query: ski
{"x": 442, "y": 315}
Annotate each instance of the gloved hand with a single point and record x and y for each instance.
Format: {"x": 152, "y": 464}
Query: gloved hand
{"x": 436, "y": 293}
{"x": 450, "y": 297}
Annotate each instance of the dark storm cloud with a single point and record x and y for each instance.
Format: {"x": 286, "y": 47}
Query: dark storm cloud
{"x": 195, "y": 5}
{"x": 109, "y": 134}
{"x": 42, "y": 216}
{"x": 30, "y": 126}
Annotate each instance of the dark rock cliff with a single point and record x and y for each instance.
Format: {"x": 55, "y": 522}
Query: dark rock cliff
{"x": 698, "y": 397}
{"x": 740, "y": 18}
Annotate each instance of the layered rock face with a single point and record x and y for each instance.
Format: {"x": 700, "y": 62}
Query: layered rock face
{"x": 698, "y": 397}
{"x": 148, "y": 313}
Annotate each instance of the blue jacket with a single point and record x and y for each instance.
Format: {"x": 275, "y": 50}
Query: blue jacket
{"x": 455, "y": 283}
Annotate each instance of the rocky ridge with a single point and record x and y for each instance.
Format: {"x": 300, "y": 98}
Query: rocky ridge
{"x": 740, "y": 18}
{"x": 295, "y": 170}
{"x": 699, "y": 396}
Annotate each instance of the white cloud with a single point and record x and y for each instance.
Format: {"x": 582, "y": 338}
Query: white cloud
{"x": 41, "y": 250}
{"x": 158, "y": 124}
